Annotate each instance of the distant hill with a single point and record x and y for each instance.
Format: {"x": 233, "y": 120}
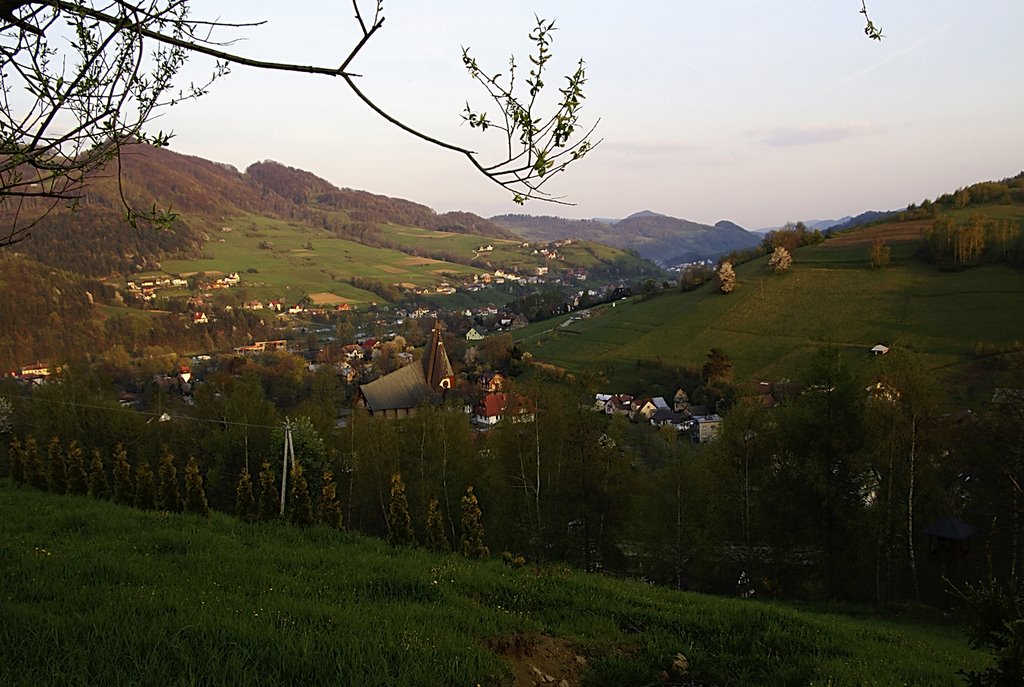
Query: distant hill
{"x": 660, "y": 238}
{"x": 95, "y": 239}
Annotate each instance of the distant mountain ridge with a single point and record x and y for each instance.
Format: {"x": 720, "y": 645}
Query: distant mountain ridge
{"x": 96, "y": 240}
{"x": 654, "y": 236}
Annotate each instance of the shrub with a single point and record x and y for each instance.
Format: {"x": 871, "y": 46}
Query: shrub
{"x": 436, "y": 539}
{"x": 170, "y": 494}
{"x": 58, "y": 477}
{"x": 399, "y": 521}
{"x": 124, "y": 489}
{"x": 78, "y": 480}
{"x": 145, "y": 487}
{"x": 269, "y": 502}
{"x": 244, "y": 501}
{"x": 472, "y": 527}
{"x": 99, "y": 488}
{"x": 330, "y": 507}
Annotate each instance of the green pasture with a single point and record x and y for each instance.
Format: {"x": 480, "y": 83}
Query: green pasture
{"x": 771, "y": 323}
{"x": 290, "y": 270}
{"x": 98, "y": 594}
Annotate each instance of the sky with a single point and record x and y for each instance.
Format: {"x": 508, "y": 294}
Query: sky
{"x": 758, "y": 112}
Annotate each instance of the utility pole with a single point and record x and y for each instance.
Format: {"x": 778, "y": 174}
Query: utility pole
{"x": 289, "y": 450}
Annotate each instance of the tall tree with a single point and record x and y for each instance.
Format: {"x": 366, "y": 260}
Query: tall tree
{"x": 99, "y": 487}
{"x": 58, "y": 471}
{"x": 195, "y": 494}
{"x": 145, "y": 487}
{"x": 244, "y": 501}
{"x": 34, "y": 470}
{"x": 823, "y": 478}
{"x": 268, "y": 507}
{"x": 473, "y": 527}
{"x": 78, "y": 480}
{"x": 435, "y": 537}
{"x": 16, "y": 456}
{"x": 124, "y": 489}
{"x": 330, "y": 507}
{"x": 169, "y": 491}
{"x": 399, "y": 521}
{"x": 300, "y": 505}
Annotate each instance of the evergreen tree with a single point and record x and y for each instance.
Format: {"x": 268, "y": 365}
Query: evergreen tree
{"x": 472, "y": 527}
{"x": 124, "y": 489}
{"x": 58, "y": 477}
{"x": 399, "y": 522}
{"x": 170, "y": 494}
{"x": 195, "y": 495}
{"x": 330, "y": 507}
{"x": 244, "y": 501}
{"x": 34, "y": 471}
{"x": 269, "y": 500}
{"x": 17, "y": 461}
{"x": 300, "y": 507}
{"x": 437, "y": 540}
{"x": 99, "y": 488}
{"x": 145, "y": 487}
{"x": 78, "y": 481}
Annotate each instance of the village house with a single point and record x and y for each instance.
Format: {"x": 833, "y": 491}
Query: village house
{"x": 495, "y": 407}
{"x": 706, "y": 427}
{"x": 476, "y": 333}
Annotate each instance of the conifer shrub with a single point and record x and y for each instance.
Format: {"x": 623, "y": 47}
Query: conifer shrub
{"x": 57, "y": 479}
{"x": 124, "y": 488}
{"x": 245, "y": 503}
{"x": 300, "y": 507}
{"x": 170, "y": 494}
{"x": 16, "y": 456}
{"x": 145, "y": 487}
{"x": 195, "y": 494}
{"x": 99, "y": 487}
{"x": 35, "y": 473}
{"x": 472, "y": 527}
{"x": 399, "y": 522}
{"x": 330, "y": 507}
{"x": 78, "y": 480}
{"x": 436, "y": 538}
{"x": 269, "y": 500}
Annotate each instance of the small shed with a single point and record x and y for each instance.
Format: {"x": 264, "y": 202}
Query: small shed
{"x": 879, "y": 349}
{"x": 950, "y": 538}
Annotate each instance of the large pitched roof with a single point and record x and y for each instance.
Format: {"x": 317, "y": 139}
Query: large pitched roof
{"x": 409, "y": 386}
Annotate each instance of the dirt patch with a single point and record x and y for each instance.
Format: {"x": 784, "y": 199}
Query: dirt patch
{"x": 540, "y": 660}
{"x": 415, "y": 261}
{"x": 324, "y": 297}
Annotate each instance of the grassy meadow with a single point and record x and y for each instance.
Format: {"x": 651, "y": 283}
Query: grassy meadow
{"x": 94, "y": 593}
{"x": 290, "y": 270}
{"x": 771, "y": 323}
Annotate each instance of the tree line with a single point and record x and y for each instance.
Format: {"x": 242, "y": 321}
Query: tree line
{"x": 826, "y": 496}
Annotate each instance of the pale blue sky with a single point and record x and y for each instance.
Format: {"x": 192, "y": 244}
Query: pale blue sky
{"x": 755, "y": 111}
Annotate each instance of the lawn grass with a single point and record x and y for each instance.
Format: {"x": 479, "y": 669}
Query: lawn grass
{"x": 94, "y": 593}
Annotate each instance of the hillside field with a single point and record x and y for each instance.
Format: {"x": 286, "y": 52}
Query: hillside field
{"x": 95, "y": 593}
{"x": 771, "y": 323}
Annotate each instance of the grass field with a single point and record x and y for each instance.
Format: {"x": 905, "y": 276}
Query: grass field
{"x": 290, "y": 270}
{"x": 772, "y": 323}
{"x": 97, "y": 594}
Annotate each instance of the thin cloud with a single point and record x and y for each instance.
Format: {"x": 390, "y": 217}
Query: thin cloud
{"x": 881, "y": 63}
{"x": 787, "y": 137}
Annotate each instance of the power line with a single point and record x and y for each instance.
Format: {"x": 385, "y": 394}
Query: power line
{"x": 90, "y": 406}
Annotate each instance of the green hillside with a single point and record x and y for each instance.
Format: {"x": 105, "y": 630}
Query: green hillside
{"x": 100, "y": 594}
{"x": 771, "y": 323}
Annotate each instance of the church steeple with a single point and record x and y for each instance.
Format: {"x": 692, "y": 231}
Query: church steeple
{"x": 437, "y": 369}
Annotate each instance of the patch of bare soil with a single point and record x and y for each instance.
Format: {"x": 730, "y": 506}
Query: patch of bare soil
{"x": 540, "y": 660}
